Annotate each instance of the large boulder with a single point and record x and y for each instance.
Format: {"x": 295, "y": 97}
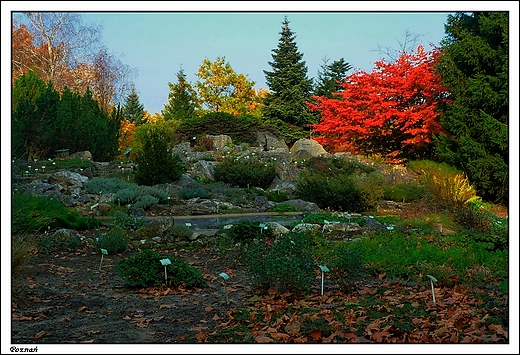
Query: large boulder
{"x": 220, "y": 141}
{"x": 306, "y": 149}
{"x": 270, "y": 143}
{"x": 84, "y": 155}
{"x": 203, "y": 169}
{"x": 72, "y": 182}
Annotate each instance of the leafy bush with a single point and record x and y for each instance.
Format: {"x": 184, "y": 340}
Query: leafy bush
{"x": 337, "y": 192}
{"x": 286, "y": 263}
{"x": 155, "y": 163}
{"x": 114, "y": 241}
{"x": 98, "y": 185}
{"x": 245, "y": 172}
{"x": 145, "y": 269}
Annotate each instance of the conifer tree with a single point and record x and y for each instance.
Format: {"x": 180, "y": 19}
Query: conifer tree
{"x": 133, "y": 109}
{"x": 474, "y": 68}
{"x": 289, "y": 85}
{"x": 182, "y": 100}
{"x": 330, "y": 77}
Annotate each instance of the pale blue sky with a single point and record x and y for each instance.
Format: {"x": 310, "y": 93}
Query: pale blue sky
{"x": 157, "y": 44}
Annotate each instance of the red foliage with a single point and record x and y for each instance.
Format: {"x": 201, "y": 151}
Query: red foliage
{"x": 389, "y": 111}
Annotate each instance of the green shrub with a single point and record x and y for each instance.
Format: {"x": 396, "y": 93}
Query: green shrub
{"x": 146, "y": 201}
{"x": 283, "y": 207}
{"x": 59, "y": 241}
{"x": 285, "y": 264}
{"x": 371, "y": 186}
{"x": 70, "y": 163}
{"x": 145, "y": 269}
{"x": 114, "y": 241}
{"x": 241, "y": 129}
{"x": 346, "y": 263}
{"x": 245, "y": 172}
{"x": 333, "y": 166}
{"x": 337, "y": 193}
{"x": 140, "y": 196}
{"x": 404, "y": 192}
{"x": 235, "y": 195}
{"x": 247, "y": 231}
{"x": 187, "y": 193}
{"x": 98, "y": 185}
{"x": 155, "y": 163}
{"x": 276, "y": 196}
{"x": 127, "y": 221}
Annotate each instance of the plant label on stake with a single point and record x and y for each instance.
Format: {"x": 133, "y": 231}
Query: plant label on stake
{"x": 225, "y": 277}
{"x": 324, "y": 269}
{"x": 432, "y": 280}
{"x": 262, "y": 226}
{"x": 165, "y": 262}
{"x": 103, "y": 252}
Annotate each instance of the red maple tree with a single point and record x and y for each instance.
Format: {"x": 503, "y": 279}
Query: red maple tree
{"x": 391, "y": 111}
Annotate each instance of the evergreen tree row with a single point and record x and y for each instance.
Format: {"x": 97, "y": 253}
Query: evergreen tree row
{"x": 43, "y": 122}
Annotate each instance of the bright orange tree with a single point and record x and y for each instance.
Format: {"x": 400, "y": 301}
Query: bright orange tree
{"x": 391, "y": 111}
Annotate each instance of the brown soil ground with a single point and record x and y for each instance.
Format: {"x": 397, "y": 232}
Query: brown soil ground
{"x": 65, "y": 298}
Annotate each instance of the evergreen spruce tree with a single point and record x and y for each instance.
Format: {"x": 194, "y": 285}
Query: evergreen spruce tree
{"x": 474, "y": 68}
{"x": 133, "y": 109}
{"x": 182, "y": 100}
{"x": 289, "y": 85}
{"x": 330, "y": 77}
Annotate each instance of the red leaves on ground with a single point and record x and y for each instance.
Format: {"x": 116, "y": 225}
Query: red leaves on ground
{"x": 454, "y": 318}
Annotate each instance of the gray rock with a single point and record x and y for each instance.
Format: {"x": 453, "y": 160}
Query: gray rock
{"x": 72, "y": 182}
{"x": 84, "y": 155}
{"x": 301, "y": 205}
{"x": 306, "y": 149}
{"x": 204, "y": 169}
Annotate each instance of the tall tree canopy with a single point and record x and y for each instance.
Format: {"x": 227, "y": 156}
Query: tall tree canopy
{"x": 474, "y": 66}
{"x": 288, "y": 83}
{"x": 182, "y": 100}
{"x": 221, "y": 89}
{"x": 391, "y": 111}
